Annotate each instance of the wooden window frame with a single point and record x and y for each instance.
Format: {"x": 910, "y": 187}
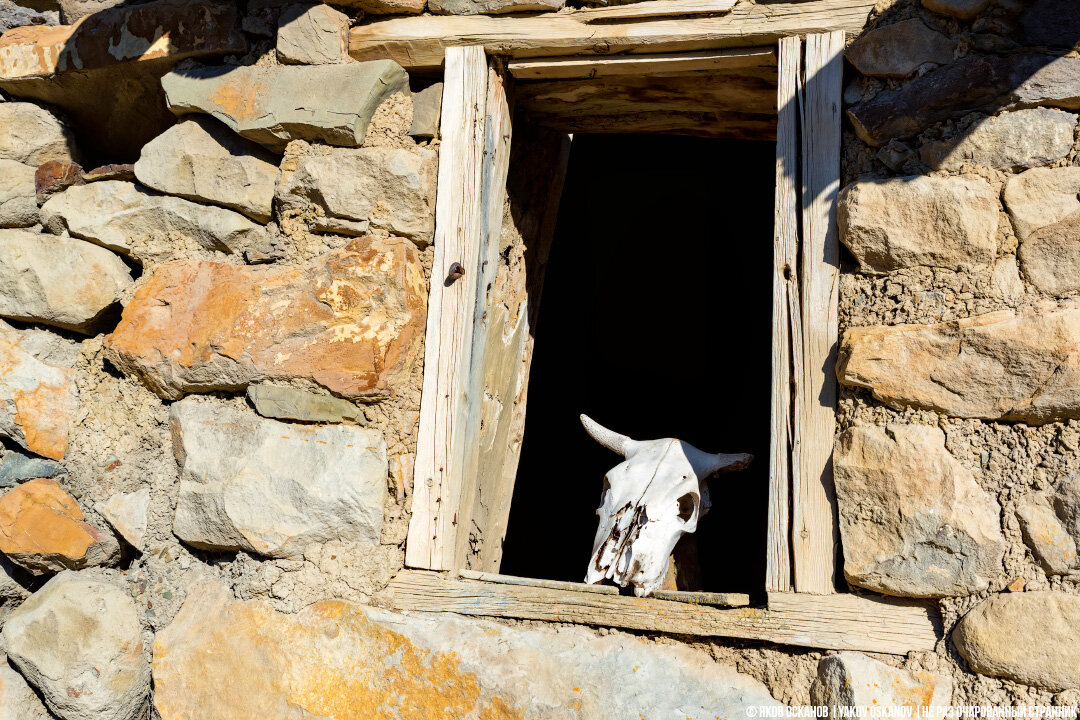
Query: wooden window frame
{"x": 803, "y": 605}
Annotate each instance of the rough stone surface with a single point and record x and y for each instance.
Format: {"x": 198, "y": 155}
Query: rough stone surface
{"x": 18, "y": 208}
{"x": 1050, "y": 23}
{"x": 850, "y": 679}
{"x": 913, "y": 520}
{"x": 492, "y": 7}
{"x": 71, "y": 11}
{"x": 18, "y": 701}
{"x": 13, "y": 15}
{"x": 334, "y": 657}
{"x": 57, "y": 280}
{"x": 16, "y": 468}
{"x": 312, "y": 35}
{"x": 275, "y": 104}
{"x": 1044, "y": 533}
{"x": 350, "y": 321}
{"x": 960, "y": 9}
{"x": 55, "y": 176}
{"x": 427, "y": 111}
{"x": 198, "y": 159}
{"x": 976, "y": 83}
{"x": 1002, "y": 365}
{"x": 288, "y": 403}
{"x": 42, "y": 530}
{"x": 248, "y": 483}
{"x": 1030, "y": 637}
{"x": 127, "y": 514}
{"x": 899, "y": 49}
{"x": 121, "y": 216}
{"x": 30, "y": 134}
{"x": 386, "y": 7}
{"x": 12, "y": 593}
{"x": 38, "y": 400}
{"x": 79, "y": 642}
{"x": 919, "y": 221}
{"x": 112, "y": 171}
{"x": 1041, "y": 197}
{"x": 1050, "y": 257}
{"x": 391, "y": 188}
{"x": 1010, "y": 141}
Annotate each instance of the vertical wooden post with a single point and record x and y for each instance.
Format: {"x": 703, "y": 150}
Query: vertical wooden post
{"x": 814, "y": 533}
{"x": 785, "y": 301}
{"x": 438, "y": 480}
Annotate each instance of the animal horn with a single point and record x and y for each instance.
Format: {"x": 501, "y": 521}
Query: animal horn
{"x": 721, "y": 462}
{"x": 608, "y": 438}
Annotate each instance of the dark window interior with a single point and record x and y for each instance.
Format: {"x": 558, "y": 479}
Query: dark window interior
{"x": 655, "y": 321}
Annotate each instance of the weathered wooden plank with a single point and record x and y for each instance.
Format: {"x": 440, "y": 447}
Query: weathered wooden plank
{"x": 421, "y": 41}
{"x": 815, "y": 528}
{"x": 655, "y": 9}
{"x": 537, "y": 582}
{"x": 840, "y": 622}
{"x": 441, "y": 442}
{"x": 785, "y": 256}
{"x": 697, "y": 597}
{"x": 492, "y": 375}
{"x": 577, "y": 67}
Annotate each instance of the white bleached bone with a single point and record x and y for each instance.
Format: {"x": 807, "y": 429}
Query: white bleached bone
{"x": 650, "y": 500}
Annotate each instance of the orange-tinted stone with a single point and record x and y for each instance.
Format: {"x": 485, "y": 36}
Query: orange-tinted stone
{"x": 38, "y": 401}
{"x": 42, "y": 529}
{"x": 350, "y": 321}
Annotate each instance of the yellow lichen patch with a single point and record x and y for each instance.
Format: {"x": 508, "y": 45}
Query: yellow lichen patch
{"x": 239, "y": 100}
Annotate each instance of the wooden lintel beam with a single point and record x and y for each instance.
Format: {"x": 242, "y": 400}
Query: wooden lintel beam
{"x": 837, "y": 622}
{"x": 421, "y": 41}
{"x": 578, "y": 67}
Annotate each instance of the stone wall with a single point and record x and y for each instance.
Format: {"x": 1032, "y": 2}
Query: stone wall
{"x": 214, "y": 258}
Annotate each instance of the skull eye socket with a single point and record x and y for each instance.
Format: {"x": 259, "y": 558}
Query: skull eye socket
{"x": 686, "y": 507}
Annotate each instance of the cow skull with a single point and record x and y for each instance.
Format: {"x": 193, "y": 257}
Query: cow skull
{"x": 649, "y": 501}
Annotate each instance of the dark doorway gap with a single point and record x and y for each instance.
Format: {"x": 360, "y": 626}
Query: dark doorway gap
{"x": 656, "y": 321}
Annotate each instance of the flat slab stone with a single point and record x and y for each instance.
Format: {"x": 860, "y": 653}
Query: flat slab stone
{"x": 493, "y": 7}
{"x": 31, "y": 135}
{"x": 1045, "y": 533}
{"x": 427, "y": 111}
{"x": 349, "y": 321}
{"x": 79, "y": 642}
{"x": 289, "y": 403}
{"x": 851, "y": 679}
{"x": 56, "y": 280}
{"x": 1010, "y": 141}
{"x": 899, "y": 49}
{"x": 334, "y": 657}
{"x": 18, "y": 207}
{"x": 1029, "y": 637}
{"x": 1041, "y": 197}
{"x": 915, "y": 221}
{"x": 960, "y": 9}
{"x": 272, "y": 105}
{"x": 312, "y": 35}
{"x": 998, "y": 366}
{"x": 386, "y": 7}
{"x": 127, "y": 513}
{"x": 118, "y": 215}
{"x": 42, "y": 530}
{"x": 388, "y": 188}
{"x": 38, "y": 400}
{"x": 913, "y": 520}
{"x": 1050, "y": 257}
{"x": 271, "y": 488}
{"x": 201, "y": 160}
{"x": 16, "y": 468}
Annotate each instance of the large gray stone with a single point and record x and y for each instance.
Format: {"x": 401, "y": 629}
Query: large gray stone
{"x": 1010, "y": 141}
{"x": 960, "y": 9}
{"x": 492, "y": 7}
{"x": 271, "y": 488}
{"x": 334, "y": 656}
{"x": 15, "y": 15}
{"x": 851, "y": 679}
{"x": 1050, "y": 257}
{"x": 1041, "y": 197}
{"x": 119, "y": 215}
{"x": 913, "y": 221}
{"x": 913, "y": 520}
{"x": 1030, "y": 637}
{"x": 899, "y": 49}
{"x": 1044, "y": 533}
{"x": 18, "y": 208}
{"x": 312, "y": 35}
{"x": 198, "y": 159}
{"x": 275, "y": 104}
{"x": 30, "y": 134}
{"x": 16, "y": 467}
{"x": 56, "y": 280}
{"x": 390, "y": 188}
{"x": 426, "y": 111}
{"x": 288, "y": 403}
{"x": 999, "y": 366}
{"x": 79, "y": 642}
{"x": 18, "y": 701}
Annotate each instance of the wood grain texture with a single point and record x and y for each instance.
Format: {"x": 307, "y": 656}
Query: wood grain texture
{"x": 421, "y": 41}
{"x": 439, "y": 472}
{"x": 655, "y": 9}
{"x": 815, "y": 524}
{"x": 537, "y": 582}
{"x": 577, "y": 67}
{"x": 785, "y": 296}
{"x": 839, "y": 622}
